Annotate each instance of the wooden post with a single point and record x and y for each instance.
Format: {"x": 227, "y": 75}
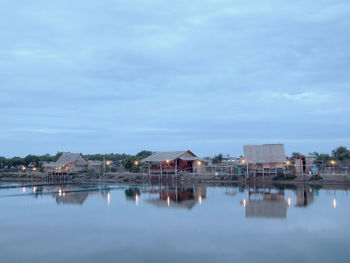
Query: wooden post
{"x": 247, "y": 171}
{"x": 175, "y": 166}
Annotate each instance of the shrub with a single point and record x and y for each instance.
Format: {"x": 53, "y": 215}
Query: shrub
{"x": 284, "y": 177}
{"x": 316, "y": 177}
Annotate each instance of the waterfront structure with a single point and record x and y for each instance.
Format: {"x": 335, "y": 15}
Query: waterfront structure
{"x": 172, "y": 162}
{"x": 304, "y": 163}
{"x": 265, "y": 156}
{"x": 68, "y": 163}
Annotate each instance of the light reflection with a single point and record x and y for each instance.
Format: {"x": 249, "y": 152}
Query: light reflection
{"x": 168, "y": 201}
{"x": 34, "y": 189}
{"x": 137, "y": 199}
{"x": 289, "y": 201}
{"x": 200, "y": 199}
{"x": 244, "y": 203}
{"x": 108, "y": 198}
{"x": 334, "y": 203}
{"x": 23, "y": 189}
{"x": 59, "y": 192}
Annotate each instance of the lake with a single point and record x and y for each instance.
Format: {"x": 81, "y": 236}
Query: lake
{"x": 98, "y": 222}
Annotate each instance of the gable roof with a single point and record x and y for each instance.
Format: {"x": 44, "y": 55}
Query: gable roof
{"x": 171, "y": 156}
{"x": 67, "y": 158}
{"x": 265, "y": 153}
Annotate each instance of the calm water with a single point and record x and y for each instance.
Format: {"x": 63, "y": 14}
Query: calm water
{"x": 173, "y": 223}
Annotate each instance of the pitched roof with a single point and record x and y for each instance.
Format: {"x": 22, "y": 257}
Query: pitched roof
{"x": 171, "y": 156}
{"x": 67, "y": 158}
{"x": 265, "y": 153}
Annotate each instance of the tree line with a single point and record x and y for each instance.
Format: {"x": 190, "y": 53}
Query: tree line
{"x": 126, "y": 160}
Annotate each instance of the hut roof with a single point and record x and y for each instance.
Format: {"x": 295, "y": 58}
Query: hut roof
{"x": 171, "y": 156}
{"x": 67, "y": 158}
{"x": 265, "y": 153}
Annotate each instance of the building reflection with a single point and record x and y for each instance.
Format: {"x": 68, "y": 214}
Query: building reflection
{"x": 72, "y": 194}
{"x": 264, "y": 203}
{"x": 182, "y": 197}
{"x": 272, "y": 203}
{"x": 304, "y": 196}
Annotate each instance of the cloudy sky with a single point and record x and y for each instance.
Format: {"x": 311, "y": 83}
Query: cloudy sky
{"x": 206, "y": 75}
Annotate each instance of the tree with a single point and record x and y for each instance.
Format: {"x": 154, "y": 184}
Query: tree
{"x": 341, "y": 153}
{"x": 218, "y": 158}
{"x": 143, "y": 154}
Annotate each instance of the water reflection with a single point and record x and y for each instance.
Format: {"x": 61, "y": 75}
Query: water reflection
{"x": 176, "y": 196}
{"x": 264, "y": 203}
{"x": 69, "y": 194}
{"x": 304, "y": 196}
{"x": 257, "y": 201}
{"x": 272, "y": 203}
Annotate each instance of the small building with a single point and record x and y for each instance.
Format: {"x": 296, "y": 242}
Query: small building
{"x": 172, "y": 162}
{"x": 304, "y": 163}
{"x": 68, "y": 163}
{"x": 265, "y": 156}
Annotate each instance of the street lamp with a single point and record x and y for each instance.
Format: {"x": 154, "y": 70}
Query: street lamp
{"x": 288, "y": 163}
{"x": 333, "y": 163}
{"x": 136, "y": 163}
{"x": 243, "y": 162}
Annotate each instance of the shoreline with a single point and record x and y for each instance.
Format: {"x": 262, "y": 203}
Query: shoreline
{"x": 129, "y": 178}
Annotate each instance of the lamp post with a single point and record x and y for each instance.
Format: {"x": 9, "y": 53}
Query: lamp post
{"x": 288, "y": 163}
{"x": 136, "y": 163}
{"x": 243, "y": 162}
{"x": 333, "y": 163}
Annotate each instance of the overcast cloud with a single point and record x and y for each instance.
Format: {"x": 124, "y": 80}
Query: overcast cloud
{"x": 210, "y": 76}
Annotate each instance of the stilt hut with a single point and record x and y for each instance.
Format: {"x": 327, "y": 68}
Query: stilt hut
{"x": 265, "y": 158}
{"x": 177, "y": 162}
{"x": 68, "y": 163}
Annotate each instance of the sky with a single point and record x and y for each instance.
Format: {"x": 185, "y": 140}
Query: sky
{"x": 205, "y": 75}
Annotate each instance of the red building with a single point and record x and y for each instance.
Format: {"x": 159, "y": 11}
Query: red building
{"x": 172, "y": 162}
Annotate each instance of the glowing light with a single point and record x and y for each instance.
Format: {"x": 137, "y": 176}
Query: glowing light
{"x": 334, "y": 203}
{"x": 34, "y": 169}
{"x": 23, "y": 189}
{"x": 137, "y": 199}
{"x": 108, "y": 163}
{"x": 34, "y": 189}
{"x": 59, "y": 192}
{"x": 243, "y": 160}
{"x": 288, "y": 162}
{"x": 136, "y": 163}
{"x": 108, "y": 198}
{"x": 244, "y": 203}
{"x": 24, "y": 168}
{"x": 199, "y": 162}
{"x": 168, "y": 201}
{"x": 289, "y": 201}
{"x": 200, "y": 199}
{"x": 167, "y": 161}
{"x": 333, "y": 162}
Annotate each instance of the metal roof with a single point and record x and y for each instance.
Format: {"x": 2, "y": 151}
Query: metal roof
{"x": 171, "y": 156}
{"x": 265, "y": 153}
